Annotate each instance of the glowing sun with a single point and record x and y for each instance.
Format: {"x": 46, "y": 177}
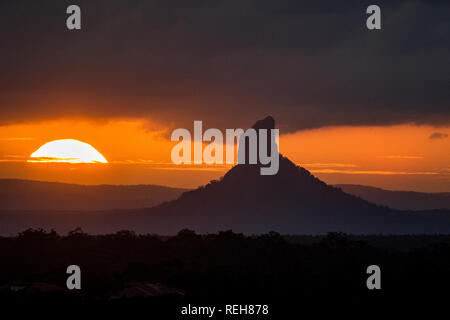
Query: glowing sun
{"x": 67, "y": 150}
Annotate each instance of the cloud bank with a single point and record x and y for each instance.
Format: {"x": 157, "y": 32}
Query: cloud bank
{"x": 307, "y": 63}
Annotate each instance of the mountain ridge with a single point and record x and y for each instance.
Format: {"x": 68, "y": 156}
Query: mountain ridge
{"x": 399, "y": 199}
{"x": 19, "y": 194}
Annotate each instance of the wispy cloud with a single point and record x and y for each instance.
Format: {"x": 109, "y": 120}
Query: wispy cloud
{"x": 160, "y": 165}
{"x": 138, "y": 161}
{"x": 438, "y": 135}
{"x": 61, "y": 160}
{"x": 17, "y": 139}
{"x": 401, "y": 157}
{"x": 193, "y": 168}
{"x": 328, "y": 165}
{"x": 13, "y": 158}
{"x": 374, "y": 172}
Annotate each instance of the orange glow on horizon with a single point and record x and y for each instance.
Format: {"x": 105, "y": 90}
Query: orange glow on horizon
{"x": 138, "y": 152}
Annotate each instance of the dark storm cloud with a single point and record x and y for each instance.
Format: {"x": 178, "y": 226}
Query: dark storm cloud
{"x": 307, "y": 63}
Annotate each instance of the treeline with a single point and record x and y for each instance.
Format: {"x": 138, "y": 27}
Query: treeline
{"x": 230, "y": 267}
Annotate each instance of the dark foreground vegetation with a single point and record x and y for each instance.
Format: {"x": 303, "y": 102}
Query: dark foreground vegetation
{"x": 289, "y": 273}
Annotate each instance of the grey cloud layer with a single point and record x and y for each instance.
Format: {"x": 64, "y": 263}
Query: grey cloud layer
{"x": 307, "y": 63}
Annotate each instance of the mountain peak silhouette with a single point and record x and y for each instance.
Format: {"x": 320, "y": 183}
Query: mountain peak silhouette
{"x": 266, "y": 123}
{"x": 291, "y": 201}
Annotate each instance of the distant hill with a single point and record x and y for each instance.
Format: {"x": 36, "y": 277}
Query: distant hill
{"x": 38, "y": 195}
{"x": 403, "y": 200}
{"x": 291, "y": 202}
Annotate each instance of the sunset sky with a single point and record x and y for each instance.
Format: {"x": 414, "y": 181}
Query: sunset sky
{"x": 352, "y": 106}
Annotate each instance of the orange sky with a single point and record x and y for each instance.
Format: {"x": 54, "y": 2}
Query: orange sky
{"x": 138, "y": 151}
